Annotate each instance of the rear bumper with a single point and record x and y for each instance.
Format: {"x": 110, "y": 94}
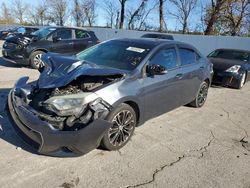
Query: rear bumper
{"x": 47, "y": 140}
{"x": 226, "y": 78}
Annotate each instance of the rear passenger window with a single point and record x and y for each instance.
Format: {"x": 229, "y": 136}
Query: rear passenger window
{"x": 187, "y": 56}
{"x": 166, "y": 58}
{"x": 80, "y": 34}
{"x": 64, "y": 34}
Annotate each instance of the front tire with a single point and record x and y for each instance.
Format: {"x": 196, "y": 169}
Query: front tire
{"x": 201, "y": 97}
{"x": 242, "y": 81}
{"x": 35, "y": 59}
{"x": 123, "y": 120}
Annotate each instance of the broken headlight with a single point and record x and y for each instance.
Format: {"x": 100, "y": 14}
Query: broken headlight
{"x": 69, "y": 105}
{"x": 234, "y": 69}
{"x": 66, "y": 107}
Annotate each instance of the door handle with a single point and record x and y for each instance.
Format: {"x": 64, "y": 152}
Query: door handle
{"x": 201, "y": 67}
{"x": 71, "y": 43}
{"x": 179, "y": 76}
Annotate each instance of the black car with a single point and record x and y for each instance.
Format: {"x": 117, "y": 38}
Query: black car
{"x": 231, "y": 67}
{"x": 100, "y": 95}
{"x": 12, "y": 31}
{"x": 158, "y": 36}
{"x": 27, "y": 50}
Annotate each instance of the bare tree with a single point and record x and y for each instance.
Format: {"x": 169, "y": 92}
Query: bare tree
{"x": 111, "y": 11}
{"x": 58, "y": 9}
{"x": 6, "y": 14}
{"x": 122, "y": 14}
{"x": 38, "y": 15}
{"x": 77, "y": 13}
{"x": 19, "y": 10}
{"x": 236, "y": 15}
{"x": 136, "y": 14}
{"x": 213, "y": 13}
{"x": 184, "y": 8}
{"x": 89, "y": 8}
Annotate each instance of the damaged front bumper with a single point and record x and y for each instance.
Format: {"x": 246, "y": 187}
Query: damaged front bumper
{"x": 45, "y": 138}
{"x": 226, "y": 78}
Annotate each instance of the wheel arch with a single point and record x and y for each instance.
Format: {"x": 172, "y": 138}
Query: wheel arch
{"x": 39, "y": 49}
{"x": 136, "y": 108}
{"x": 247, "y": 76}
{"x": 135, "y": 104}
{"x": 208, "y": 81}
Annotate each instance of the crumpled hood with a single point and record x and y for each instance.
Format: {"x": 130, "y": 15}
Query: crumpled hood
{"x": 224, "y": 64}
{"x": 58, "y": 70}
{"x": 20, "y": 39}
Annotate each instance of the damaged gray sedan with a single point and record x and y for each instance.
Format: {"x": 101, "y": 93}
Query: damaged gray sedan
{"x": 99, "y": 96}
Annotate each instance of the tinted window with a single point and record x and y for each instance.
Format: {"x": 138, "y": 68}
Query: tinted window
{"x": 158, "y": 36}
{"x": 64, "y": 34}
{"x": 230, "y": 54}
{"x": 166, "y": 58}
{"x": 44, "y": 32}
{"x": 124, "y": 55}
{"x": 187, "y": 56}
{"x": 21, "y": 30}
{"x": 80, "y": 34}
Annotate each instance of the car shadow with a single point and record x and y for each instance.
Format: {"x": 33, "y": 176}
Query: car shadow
{"x": 7, "y": 132}
{"x": 5, "y": 63}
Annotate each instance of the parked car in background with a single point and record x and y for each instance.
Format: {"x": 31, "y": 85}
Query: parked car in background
{"x": 100, "y": 95}
{"x": 231, "y": 67}
{"x": 158, "y": 36}
{"x": 16, "y": 30}
{"x": 29, "y": 50}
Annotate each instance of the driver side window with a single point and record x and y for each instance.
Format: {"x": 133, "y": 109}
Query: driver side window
{"x": 166, "y": 58}
{"x": 63, "y": 34}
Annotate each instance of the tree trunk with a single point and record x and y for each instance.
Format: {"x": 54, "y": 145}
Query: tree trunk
{"x": 184, "y": 29}
{"x": 161, "y": 15}
{"x": 122, "y": 13}
{"x": 213, "y": 17}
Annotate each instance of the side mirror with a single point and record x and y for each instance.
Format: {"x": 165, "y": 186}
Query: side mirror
{"x": 56, "y": 39}
{"x": 156, "y": 69}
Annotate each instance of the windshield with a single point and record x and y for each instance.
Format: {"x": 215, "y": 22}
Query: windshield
{"x": 230, "y": 54}
{"x": 123, "y": 55}
{"x": 44, "y": 32}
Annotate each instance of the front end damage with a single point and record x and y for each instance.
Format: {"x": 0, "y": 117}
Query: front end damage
{"x": 59, "y": 121}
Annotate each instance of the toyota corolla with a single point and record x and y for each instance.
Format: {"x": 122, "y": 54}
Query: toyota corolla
{"x": 98, "y": 97}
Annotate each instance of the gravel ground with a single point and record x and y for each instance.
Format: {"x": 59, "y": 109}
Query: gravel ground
{"x": 188, "y": 147}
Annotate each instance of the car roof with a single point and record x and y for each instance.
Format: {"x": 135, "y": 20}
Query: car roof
{"x": 153, "y": 42}
{"x": 65, "y": 27}
{"x": 231, "y": 49}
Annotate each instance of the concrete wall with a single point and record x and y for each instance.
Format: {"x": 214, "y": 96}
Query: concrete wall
{"x": 205, "y": 44}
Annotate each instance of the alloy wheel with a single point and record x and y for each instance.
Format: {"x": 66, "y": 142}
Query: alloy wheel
{"x": 122, "y": 128}
{"x": 202, "y": 96}
{"x": 38, "y": 60}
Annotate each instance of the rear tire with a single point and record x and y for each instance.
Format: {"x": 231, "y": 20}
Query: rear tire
{"x": 201, "y": 96}
{"x": 242, "y": 81}
{"x": 123, "y": 120}
{"x": 35, "y": 59}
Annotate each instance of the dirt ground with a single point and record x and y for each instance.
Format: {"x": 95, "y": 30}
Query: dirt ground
{"x": 188, "y": 147}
